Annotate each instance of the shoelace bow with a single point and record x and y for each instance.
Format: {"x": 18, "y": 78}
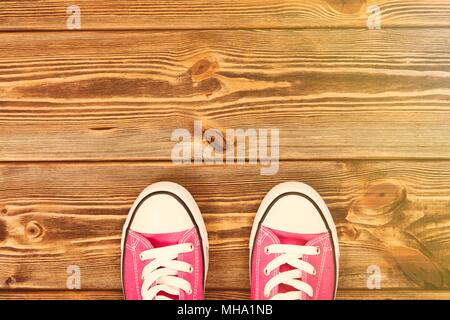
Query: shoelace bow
{"x": 163, "y": 270}
{"x": 291, "y": 255}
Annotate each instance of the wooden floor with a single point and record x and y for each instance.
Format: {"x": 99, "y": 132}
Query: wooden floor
{"x": 86, "y": 118}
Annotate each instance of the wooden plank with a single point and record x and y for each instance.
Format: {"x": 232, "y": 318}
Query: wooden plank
{"x": 333, "y": 94}
{"x": 393, "y": 295}
{"x": 347, "y": 294}
{"x": 60, "y": 295}
{"x": 226, "y": 14}
{"x": 221, "y": 295}
{"x": 390, "y": 214}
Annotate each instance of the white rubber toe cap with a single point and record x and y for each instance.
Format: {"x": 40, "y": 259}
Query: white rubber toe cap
{"x": 294, "y": 213}
{"x": 161, "y": 213}
{"x": 164, "y": 207}
{"x": 293, "y": 207}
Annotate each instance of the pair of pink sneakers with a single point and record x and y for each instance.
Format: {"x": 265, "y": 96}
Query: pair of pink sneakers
{"x": 294, "y": 251}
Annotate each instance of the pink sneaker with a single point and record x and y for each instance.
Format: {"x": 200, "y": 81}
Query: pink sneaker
{"x": 294, "y": 252}
{"x": 164, "y": 246}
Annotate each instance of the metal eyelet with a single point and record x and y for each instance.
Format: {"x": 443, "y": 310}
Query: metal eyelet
{"x": 266, "y": 272}
{"x": 189, "y": 292}
{"x": 266, "y": 250}
{"x": 191, "y": 247}
{"x": 191, "y": 269}
{"x": 314, "y": 272}
{"x": 266, "y": 294}
{"x": 317, "y": 250}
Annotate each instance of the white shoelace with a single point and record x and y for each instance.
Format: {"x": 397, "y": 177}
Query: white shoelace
{"x": 163, "y": 271}
{"x": 291, "y": 255}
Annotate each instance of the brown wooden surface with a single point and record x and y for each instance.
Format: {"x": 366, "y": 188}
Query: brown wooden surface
{"x": 226, "y": 14}
{"x": 332, "y": 93}
{"x": 220, "y": 294}
{"x": 390, "y": 214}
{"x": 86, "y": 118}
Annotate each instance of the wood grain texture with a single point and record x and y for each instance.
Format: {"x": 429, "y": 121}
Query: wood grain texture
{"x": 60, "y": 295}
{"x": 333, "y": 94}
{"x": 220, "y": 294}
{"x": 392, "y": 214}
{"x": 226, "y": 14}
{"x": 348, "y": 294}
{"x": 86, "y": 119}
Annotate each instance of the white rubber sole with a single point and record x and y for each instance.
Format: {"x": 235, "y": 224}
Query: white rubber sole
{"x": 299, "y": 187}
{"x": 183, "y": 194}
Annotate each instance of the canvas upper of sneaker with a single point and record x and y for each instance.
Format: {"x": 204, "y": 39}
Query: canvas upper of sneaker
{"x": 294, "y": 249}
{"x": 164, "y": 246}
{"x": 137, "y": 258}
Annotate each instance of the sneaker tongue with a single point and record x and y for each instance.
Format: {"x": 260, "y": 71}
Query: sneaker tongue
{"x": 294, "y": 238}
{"x": 159, "y": 240}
